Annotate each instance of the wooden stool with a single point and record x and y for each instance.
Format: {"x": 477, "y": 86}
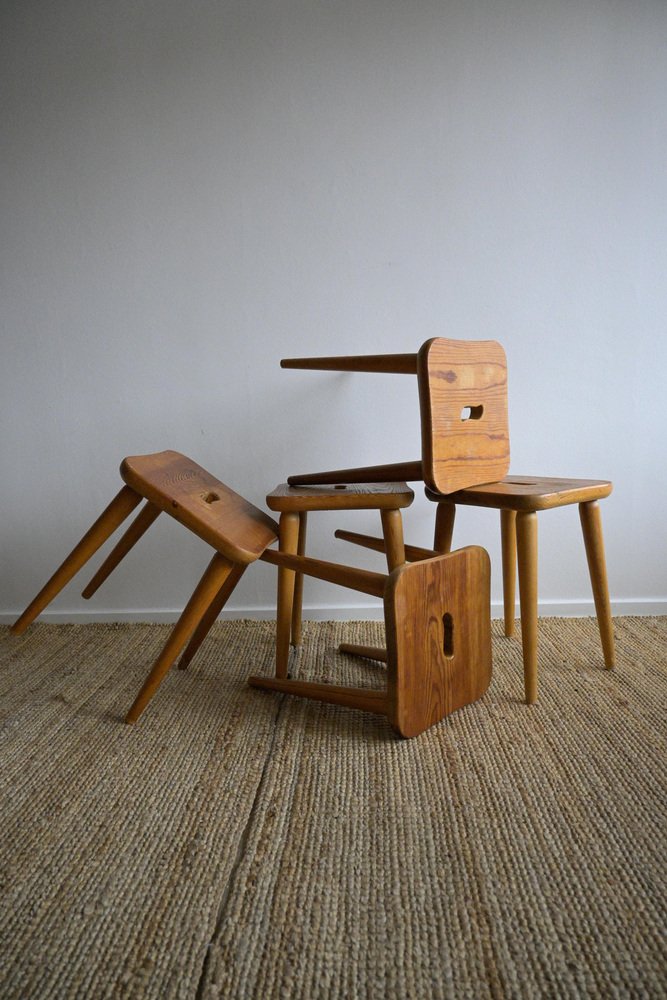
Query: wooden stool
{"x": 519, "y": 498}
{"x": 175, "y": 485}
{"x": 438, "y": 623}
{"x": 465, "y": 442}
{"x": 293, "y": 504}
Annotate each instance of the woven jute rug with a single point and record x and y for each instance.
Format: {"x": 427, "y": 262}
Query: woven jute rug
{"x": 236, "y": 843}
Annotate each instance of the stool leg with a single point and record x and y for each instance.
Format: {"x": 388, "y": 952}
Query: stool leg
{"x": 508, "y": 544}
{"x": 142, "y": 522}
{"x": 591, "y": 525}
{"x": 298, "y": 582}
{"x": 120, "y": 507}
{"x": 206, "y": 590}
{"x": 210, "y": 616}
{"x": 289, "y": 542}
{"x": 444, "y": 526}
{"x": 394, "y": 547}
{"x": 392, "y": 528}
{"x": 526, "y": 530}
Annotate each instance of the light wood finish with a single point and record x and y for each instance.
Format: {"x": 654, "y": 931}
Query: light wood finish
{"x": 463, "y": 409}
{"x": 413, "y": 553}
{"x": 591, "y": 525}
{"x": 172, "y": 483}
{"x": 289, "y": 541}
{"x": 407, "y": 471}
{"x": 204, "y": 594}
{"x": 437, "y": 619}
{"x": 465, "y": 460}
{"x": 297, "y": 603}
{"x": 142, "y": 522}
{"x": 392, "y": 528}
{"x": 210, "y": 616}
{"x": 341, "y": 495}
{"x": 392, "y": 364}
{"x": 508, "y": 547}
{"x": 387, "y": 497}
{"x": 517, "y": 496}
{"x": 345, "y": 576}
{"x": 365, "y": 699}
{"x": 526, "y": 535}
{"x": 426, "y": 682}
{"x": 120, "y": 507}
{"x": 529, "y": 493}
{"x": 445, "y": 515}
{"x": 190, "y": 494}
{"x": 366, "y": 652}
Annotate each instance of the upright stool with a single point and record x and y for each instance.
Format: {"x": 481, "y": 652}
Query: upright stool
{"x": 293, "y": 503}
{"x": 175, "y": 485}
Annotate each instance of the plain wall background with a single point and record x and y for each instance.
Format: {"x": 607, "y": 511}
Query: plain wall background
{"x": 192, "y": 191}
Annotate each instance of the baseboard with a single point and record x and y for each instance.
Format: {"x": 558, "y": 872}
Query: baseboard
{"x": 338, "y": 612}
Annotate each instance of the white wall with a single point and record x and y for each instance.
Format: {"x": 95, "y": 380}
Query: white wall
{"x": 192, "y": 191}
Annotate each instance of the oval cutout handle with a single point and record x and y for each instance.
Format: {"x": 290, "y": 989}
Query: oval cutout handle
{"x": 472, "y": 412}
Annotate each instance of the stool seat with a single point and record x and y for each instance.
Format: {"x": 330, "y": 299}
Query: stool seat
{"x": 343, "y": 496}
{"x": 528, "y": 493}
{"x": 195, "y": 498}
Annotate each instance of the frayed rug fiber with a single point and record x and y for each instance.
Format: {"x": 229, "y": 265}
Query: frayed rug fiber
{"x": 236, "y": 843}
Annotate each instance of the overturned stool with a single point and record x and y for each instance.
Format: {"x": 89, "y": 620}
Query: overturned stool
{"x": 438, "y": 628}
{"x": 173, "y": 484}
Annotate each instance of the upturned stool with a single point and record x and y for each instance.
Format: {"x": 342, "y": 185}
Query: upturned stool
{"x": 437, "y": 614}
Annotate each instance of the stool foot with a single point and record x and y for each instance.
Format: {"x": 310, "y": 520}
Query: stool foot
{"x": 205, "y": 592}
{"x": 591, "y": 524}
{"x": 120, "y": 507}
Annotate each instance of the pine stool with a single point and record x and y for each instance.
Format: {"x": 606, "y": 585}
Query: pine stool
{"x": 437, "y": 614}
{"x": 293, "y": 503}
{"x": 175, "y": 485}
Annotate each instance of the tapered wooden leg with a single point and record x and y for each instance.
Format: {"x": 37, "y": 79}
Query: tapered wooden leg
{"x": 210, "y": 616}
{"x": 142, "y": 522}
{"x": 392, "y": 529}
{"x": 378, "y": 653}
{"x": 289, "y": 542}
{"x": 206, "y": 590}
{"x": 120, "y": 507}
{"x": 508, "y": 544}
{"x": 444, "y": 526}
{"x": 591, "y": 524}
{"x": 394, "y": 548}
{"x": 297, "y": 603}
{"x": 365, "y": 699}
{"x": 526, "y": 534}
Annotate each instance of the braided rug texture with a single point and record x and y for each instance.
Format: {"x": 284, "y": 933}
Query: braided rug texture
{"x": 236, "y": 843}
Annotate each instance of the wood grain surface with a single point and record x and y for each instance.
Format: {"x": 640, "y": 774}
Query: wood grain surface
{"x": 209, "y": 508}
{"x": 463, "y": 410}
